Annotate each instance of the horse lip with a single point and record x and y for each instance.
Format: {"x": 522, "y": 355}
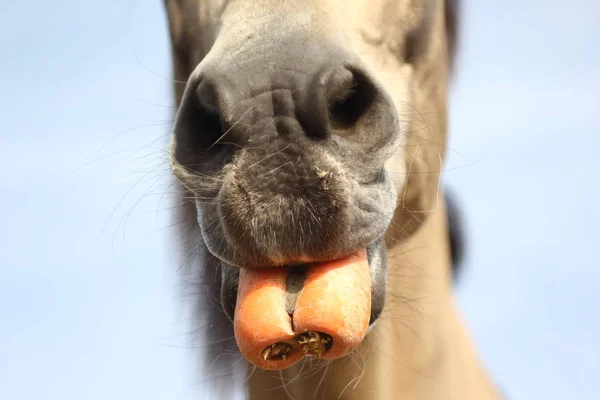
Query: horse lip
{"x": 299, "y": 264}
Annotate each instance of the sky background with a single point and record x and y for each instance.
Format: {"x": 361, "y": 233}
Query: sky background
{"x": 89, "y": 307}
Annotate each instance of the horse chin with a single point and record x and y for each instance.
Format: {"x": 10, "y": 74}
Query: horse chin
{"x": 376, "y": 256}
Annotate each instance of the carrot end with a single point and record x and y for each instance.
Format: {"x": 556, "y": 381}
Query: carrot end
{"x": 277, "y": 351}
{"x": 314, "y": 342}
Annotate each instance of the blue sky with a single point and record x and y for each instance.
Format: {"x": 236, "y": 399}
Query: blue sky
{"x": 89, "y": 306}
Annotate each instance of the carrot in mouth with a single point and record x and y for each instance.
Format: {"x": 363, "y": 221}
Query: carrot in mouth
{"x": 322, "y": 309}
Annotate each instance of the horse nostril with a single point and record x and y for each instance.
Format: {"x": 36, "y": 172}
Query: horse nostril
{"x": 335, "y": 101}
{"x": 349, "y": 97}
{"x": 201, "y": 123}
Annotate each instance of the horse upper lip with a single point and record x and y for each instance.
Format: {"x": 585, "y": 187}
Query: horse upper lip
{"x": 301, "y": 262}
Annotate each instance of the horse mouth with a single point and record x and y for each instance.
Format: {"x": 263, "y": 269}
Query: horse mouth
{"x": 323, "y": 309}
{"x": 376, "y": 254}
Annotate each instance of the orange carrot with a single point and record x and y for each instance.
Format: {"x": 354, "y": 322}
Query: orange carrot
{"x": 260, "y": 319}
{"x": 330, "y": 315}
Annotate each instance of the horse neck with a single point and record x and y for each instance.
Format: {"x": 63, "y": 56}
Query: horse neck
{"x": 418, "y": 349}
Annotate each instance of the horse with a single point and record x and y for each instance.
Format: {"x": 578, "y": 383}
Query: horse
{"x": 306, "y": 130}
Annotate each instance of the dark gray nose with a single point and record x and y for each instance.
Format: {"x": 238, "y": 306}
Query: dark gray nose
{"x": 226, "y": 106}
{"x": 288, "y": 145}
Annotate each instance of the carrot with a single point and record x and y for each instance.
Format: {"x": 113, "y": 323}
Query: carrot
{"x": 284, "y": 313}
